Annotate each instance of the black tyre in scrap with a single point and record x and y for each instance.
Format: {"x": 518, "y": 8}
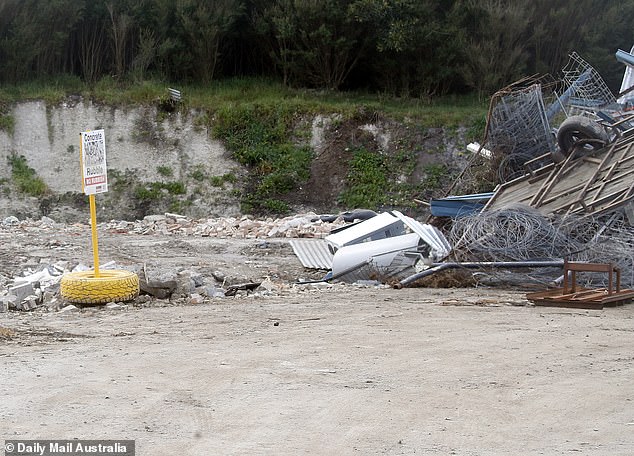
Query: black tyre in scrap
{"x": 579, "y": 132}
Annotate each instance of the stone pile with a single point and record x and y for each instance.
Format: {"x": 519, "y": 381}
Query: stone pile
{"x": 308, "y": 225}
{"x": 38, "y": 287}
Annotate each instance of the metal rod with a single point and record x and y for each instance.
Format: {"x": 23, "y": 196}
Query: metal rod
{"x": 437, "y": 267}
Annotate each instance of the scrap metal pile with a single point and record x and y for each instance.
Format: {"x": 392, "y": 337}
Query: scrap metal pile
{"x": 563, "y": 155}
{"x": 564, "y": 159}
{"x": 524, "y": 234}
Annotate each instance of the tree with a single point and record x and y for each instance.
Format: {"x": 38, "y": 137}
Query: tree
{"x": 313, "y": 43}
{"x": 416, "y": 42}
{"x": 34, "y": 36}
{"x": 204, "y": 24}
{"x": 497, "y": 52}
{"x": 121, "y": 25}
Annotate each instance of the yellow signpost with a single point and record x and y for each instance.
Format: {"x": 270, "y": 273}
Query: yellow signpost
{"x": 92, "y": 150}
{"x": 96, "y": 287}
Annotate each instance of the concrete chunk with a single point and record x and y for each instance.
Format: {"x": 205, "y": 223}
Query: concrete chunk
{"x": 4, "y": 302}
{"x": 28, "y": 303}
{"x": 22, "y": 290}
{"x": 158, "y": 284}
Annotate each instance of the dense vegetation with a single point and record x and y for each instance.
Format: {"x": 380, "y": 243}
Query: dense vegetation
{"x": 250, "y": 67}
{"x": 418, "y": 48}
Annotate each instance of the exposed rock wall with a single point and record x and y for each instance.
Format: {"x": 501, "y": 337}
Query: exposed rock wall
{"x": 140, "y": 143}
{"x": 149, "y": 150}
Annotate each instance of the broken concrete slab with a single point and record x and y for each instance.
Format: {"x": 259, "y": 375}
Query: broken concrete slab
{"x": 158, "y": 283}
{"x": 211, "y": 291}
{"x": 4, "y": 302}
{"x": 22, "y": 290}
{"x": 28, "y": 303}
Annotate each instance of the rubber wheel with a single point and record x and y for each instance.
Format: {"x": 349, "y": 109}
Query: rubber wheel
{"x": 111, "y": 285}
{"x": 579, "y": 131}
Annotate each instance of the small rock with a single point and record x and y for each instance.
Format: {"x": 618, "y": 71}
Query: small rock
{"x": 28, "y": 303}
{"x": 199, "y": 279}
{"x": 11, "y": 221}
{"x": 196, "y": 298}
{"x": 267, "y": 285}
{"x": 9, "y": 301}
{"x": 219, "y": 276}
{"x": 154, "y": 218}
{"x": 184, "y": 284}
{"x": 48, "y": 297}
{"x": 69, "y": 308}
{"x": 213, "y": 292}
{"x": 54, "y": 305}
{"x": 47, "y": 221}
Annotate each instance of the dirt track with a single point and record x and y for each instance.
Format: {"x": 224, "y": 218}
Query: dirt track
{"x": 340, "y": 370}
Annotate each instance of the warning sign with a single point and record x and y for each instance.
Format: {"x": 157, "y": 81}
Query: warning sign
{"x": 93, "y": 161}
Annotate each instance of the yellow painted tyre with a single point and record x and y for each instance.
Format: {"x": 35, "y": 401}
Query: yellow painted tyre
{"x": 111, "y": 285}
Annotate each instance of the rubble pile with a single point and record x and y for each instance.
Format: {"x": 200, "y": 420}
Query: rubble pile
{"x": 36, "y": 286}
{"x": 308, "y": 225}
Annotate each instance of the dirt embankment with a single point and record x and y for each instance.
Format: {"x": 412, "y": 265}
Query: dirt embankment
{"x": 171, "y": 163}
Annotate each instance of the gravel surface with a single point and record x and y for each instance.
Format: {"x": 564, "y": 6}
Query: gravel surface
{"x": 307, "y": 369}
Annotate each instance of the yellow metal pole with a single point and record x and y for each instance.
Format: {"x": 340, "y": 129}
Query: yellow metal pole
{"x": 93, "y": 223}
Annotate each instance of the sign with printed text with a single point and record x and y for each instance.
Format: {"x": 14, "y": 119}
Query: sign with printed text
{"x": 93, "y": 161}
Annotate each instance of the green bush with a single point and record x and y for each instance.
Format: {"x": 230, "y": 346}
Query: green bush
{"x": 7, "y": 123}
{"x": 165, "y": 171}
{"x": 25, "y": 178}
{"x": 259, "y": 137}
{"x": 367, "y": 181}
{"x": 155, "y": 190}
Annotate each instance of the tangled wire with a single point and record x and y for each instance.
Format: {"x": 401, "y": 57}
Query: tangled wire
{"x": 523, "y": 234}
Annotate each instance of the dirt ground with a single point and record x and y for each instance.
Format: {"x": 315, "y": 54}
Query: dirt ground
{"x": 324, "y": 370}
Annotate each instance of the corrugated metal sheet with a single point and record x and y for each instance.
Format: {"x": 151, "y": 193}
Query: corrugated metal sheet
{"x": 440, "y": 247}
{"x": 458, "y": 206}
{"x": 312, "y": 253}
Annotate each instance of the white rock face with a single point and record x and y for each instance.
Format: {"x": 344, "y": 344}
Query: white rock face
{"x": 48, "y": 136}
{"x": 138, "y": 140}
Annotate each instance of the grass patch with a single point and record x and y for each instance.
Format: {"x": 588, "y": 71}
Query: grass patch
{"x": 367, "y": 181}
{"x": 198, "y": 174}
{"x": 165, "y": 171}
{"x": 236, "y": 92}
{"x": 7, "y": 123}
{"x": 381, "y": 182}
{"x": 25, "y": 178}
{"x": 156, "y": 190}
{"x": 435, "y": 176}
{"x": 220, "y": 181}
